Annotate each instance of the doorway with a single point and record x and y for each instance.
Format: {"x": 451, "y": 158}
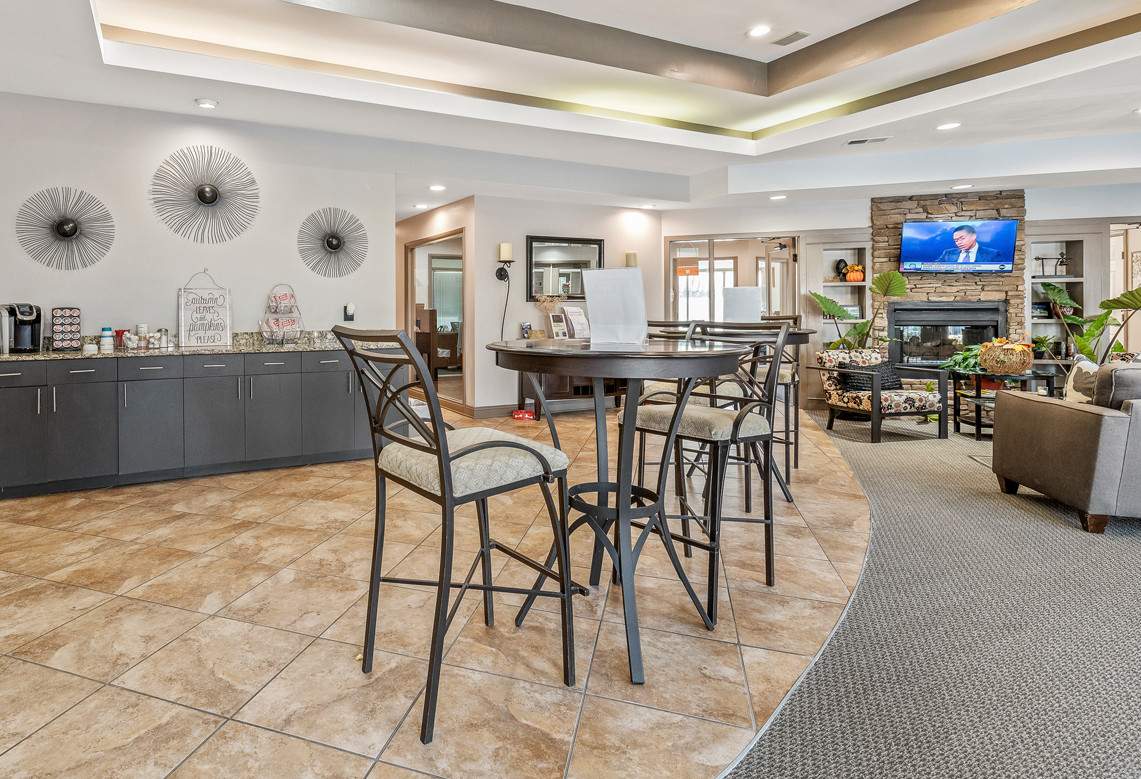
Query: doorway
{"x": 702, "y": 268}
{"x": 435, "y": 309}
{"x": 1125, "y": 273}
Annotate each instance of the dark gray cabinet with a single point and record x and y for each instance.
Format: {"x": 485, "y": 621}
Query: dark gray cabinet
{"x": 328, "y": 413}
{"x": 82, "y": 438}
{"x": 273, "y": 416}
{"x": 363, "y": 429}
{"x": 23, "y": 425}
{"x": 215, "y": 420}
{"x": 150, "y": 425}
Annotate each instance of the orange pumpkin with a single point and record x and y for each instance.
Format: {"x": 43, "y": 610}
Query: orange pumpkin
{"x": 854, "y": 273}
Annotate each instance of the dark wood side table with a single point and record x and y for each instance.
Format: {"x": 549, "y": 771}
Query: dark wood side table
{"x": 973, "y": 395}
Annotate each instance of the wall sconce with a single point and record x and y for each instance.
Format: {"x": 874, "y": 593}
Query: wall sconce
{"x": 504, "y": 259}
{"x": 631, "y": 259}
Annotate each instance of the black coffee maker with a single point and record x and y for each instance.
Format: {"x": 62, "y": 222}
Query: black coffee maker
{"x": 21, "y": 327}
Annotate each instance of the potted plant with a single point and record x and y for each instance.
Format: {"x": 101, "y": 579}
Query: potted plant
{"x": 1043, "y": 346}
{"x": 889, "y": 284}
{"x": 1088, "y": 333}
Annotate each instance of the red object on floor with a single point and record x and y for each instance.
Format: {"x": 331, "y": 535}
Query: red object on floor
{"x": 525, "y": 413}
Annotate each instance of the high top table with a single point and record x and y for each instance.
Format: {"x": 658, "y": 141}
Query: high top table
{"x": 634, "y": 507}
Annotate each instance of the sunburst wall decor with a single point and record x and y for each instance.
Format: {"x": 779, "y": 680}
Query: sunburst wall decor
{"x": 205, "y": 194}
{"x": 332, "y": 242}
{"x": 65, "y": 228}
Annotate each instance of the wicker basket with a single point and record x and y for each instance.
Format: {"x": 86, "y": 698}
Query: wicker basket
{"x": 1004, "y": 357}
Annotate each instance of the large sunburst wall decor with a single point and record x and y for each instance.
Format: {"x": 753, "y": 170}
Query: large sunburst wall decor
{"x": 205, "y": 193}
{"x": 65, "y": 228}
{"x": 332, "y": 242}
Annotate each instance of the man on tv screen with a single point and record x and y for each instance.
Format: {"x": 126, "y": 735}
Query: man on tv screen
{"x": 967, "y": 248}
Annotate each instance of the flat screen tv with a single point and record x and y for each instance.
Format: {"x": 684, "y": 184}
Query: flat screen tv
{"x": 958, "y": 247}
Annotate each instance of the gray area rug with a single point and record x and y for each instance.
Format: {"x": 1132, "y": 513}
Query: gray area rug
{"x": 989, "y": 636}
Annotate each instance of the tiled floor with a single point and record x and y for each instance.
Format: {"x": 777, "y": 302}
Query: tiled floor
{"x": 212, "y": 628}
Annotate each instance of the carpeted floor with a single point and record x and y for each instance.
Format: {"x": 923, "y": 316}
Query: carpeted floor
{"x": 988, "y": 637}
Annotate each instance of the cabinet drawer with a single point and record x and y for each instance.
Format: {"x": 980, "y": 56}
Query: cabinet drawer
{"x": 135, "y": 368}
{"x": 21, "y": 374}
{"x": 202, "y": 365}
{"x": 82, "y": 371}
{"x": 313, "y": 362}
{"x": 288, "y": 362}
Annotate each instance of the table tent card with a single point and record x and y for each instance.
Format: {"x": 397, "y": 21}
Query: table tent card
{"x": 743, "y": 304}
{"x": 617, "y": 304}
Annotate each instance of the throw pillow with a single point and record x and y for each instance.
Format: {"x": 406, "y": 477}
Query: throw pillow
{"x": 856, "y": 382}
{"x": 1081, "y": 381}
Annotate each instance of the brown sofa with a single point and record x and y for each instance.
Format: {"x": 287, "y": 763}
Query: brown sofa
{"x": 1086, "y": 455}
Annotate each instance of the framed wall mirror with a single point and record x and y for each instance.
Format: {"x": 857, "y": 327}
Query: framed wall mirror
{"x": 555, "y": 265}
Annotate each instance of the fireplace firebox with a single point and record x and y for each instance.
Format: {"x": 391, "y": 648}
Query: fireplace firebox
{"x": 926, "y": 333}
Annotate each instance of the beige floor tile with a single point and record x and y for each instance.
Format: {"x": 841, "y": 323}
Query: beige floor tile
{"x": 796, "y": 577}
{"x": 31, "y": 696}
{"x": 524, "y": 729}
{"x": 650, "y": 743}
{"x": 325, "y": 515}
{"x": 515, "y": 574}
{"x": 388, "y": 771}
{"x": 531, "y": 653}
{"x": 771, "y": 675}
{"x": 217, "y": 665}
{"x": 404, "y": 623}
{"x": 205, "y": 583}
{"x": 785, "y": 624}
{"x": 243, "y": 750}
{"x": 843, "y": 548}
{"x": 359, "y": 492}
{"x": 196, "y": 533}
{"x": 130, "y": 522}
{"x": 350, "y": 555}
{"x": 298, "y": 484}
{"x": 685, "y": 675}
{"x": 13, "y": 581}
{"x": 254, "y": 506}
{"x": 324, "y": 696}
{"x": 109, "y": 639}
{"x": 663, "y": 604}
{"x": 195, "y": 499}
{"x": 51, "y": 550}
{"x": 270, "y": 544}
{"x": 407, "y": 527}
{"x": 423, "y": 562}
{"x": 122, "y": 568}
{"x": 113, "y": 733}
{"x": 68, "y": 512}
{"x": 30, "y": 610}
{"x": 297, "y": 601}
{"x": 850, "y": 573}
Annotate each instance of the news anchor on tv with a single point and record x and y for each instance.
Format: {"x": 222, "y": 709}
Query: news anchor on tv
{"x": 968, "y": 248}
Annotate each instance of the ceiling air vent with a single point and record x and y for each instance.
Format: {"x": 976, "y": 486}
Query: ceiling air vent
{"x": 863, "y": 141}
{"x": 791, "y": 38}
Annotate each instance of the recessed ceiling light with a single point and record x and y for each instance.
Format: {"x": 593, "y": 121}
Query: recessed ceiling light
{"x": 1137, "y": 111}
{"x": 420, "y": 206}
{"x": 647, "y": 205}
{"x": 778, "y": 197}
{"x": 962, "y": 186}
{"x": 437, "y": 187}
{"x": 949, "y": 126}
{"x": 759, "y": 31}
{"x": 206, "y": 103}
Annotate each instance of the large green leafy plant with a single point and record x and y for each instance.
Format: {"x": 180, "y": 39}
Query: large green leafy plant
{"x": 1088, "y": 333}
{"x": 889, "y": 284}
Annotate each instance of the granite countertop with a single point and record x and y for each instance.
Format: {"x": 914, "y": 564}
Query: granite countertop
{"x": 243, "y": 343}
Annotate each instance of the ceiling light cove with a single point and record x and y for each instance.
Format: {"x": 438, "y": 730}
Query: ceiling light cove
{"x": 778, "y": 197}
{"x": 206, "y": 103}
{"x": 962, "y": 186}
{"x": 759, "y": 31}
{"x": 949, "y": 126}
{"x": 647, "y": 205}
{"x": 437, "y": 187}
{"x": 420, "y": 206}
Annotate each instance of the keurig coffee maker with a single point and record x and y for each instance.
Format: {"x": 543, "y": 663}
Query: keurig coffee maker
{"x": 20, "y": 328}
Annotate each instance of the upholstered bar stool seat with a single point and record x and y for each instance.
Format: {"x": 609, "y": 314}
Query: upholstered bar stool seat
{"x": 702, "y": 423}
{"x": 477, "y": 472}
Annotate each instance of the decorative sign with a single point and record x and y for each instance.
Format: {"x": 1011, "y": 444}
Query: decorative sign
{"x": 204, "y": 315}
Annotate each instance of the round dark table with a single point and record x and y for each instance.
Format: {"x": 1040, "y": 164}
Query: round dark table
{"x": 634, "y": 507}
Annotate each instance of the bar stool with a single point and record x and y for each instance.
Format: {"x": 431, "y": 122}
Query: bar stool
{"x": 450, "y": 468}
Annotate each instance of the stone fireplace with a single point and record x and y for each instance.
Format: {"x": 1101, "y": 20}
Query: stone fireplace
{"x": 926, "y": 333}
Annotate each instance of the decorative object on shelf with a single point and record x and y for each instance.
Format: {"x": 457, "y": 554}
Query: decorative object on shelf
{"x": 854, "y": 273}
{"x": 548, "y": 304}
{"x": 1005, "y": 357}
{"x": 631, "y": 259}
{"x": 1060, "y": 267}
{"x": 65, "y": 228}
{"x": 577, "y": 322}
{"x": 1043, "y": 346}
{"x": 889, "y": 284}
{"x": 1040, "y": 309}
{"x": 841, "y": 269}
{"x": 282, "y": 323}
{"x": 205, "y": 194}
{"x": 67, "y": 330}
{"x": 332, "y": 242}
{"x": 204, "y": 316}
{"x": 558, "y": 326}
{"x": 525, "y": 330}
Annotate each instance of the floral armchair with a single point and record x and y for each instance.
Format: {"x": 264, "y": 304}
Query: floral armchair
{"x": 877, "y": 403}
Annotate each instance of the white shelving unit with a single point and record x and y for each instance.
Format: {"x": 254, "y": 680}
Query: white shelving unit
{"x": 1073, "y": 281}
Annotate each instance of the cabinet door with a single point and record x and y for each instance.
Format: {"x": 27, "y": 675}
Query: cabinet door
{"x": 328, "y": 413}
{"x": 214, "y": 420}
{"x": 82, "y": 434}
{"x": 23, "y": 423}
{"x": 150, "y": 425}
{"x": 273, "y": 416}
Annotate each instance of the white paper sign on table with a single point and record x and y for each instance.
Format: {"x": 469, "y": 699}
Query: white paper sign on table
{"x": 743, "y": 304}
{"x": 617, "y": 303}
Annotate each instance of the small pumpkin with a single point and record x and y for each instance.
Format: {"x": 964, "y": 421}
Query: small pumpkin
{"x": 854, "y": 273}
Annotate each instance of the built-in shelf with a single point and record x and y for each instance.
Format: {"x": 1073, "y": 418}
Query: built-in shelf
{"x": 1049, "y": 361}
{"x": 1063, "y": 279}
{"x": 1045, "y": 321}
{"x": 845, "y": 284}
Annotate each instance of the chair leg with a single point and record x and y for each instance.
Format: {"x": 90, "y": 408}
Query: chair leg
{"x": 770, "y": 543}
{"x": 641, "y": 459}
{"x": 748, "y": 479}
{"x": 485, "y": 560}
{"x": 943, "y": 420}
{"x": 718, "y": 461}
{"x": 831, "y": 418}
{"x": 877, "y": 422}
{"x": 374, "y": 577}
{"x": 1008, "y": 486}
{"x": 439, "y": 625}
{"x": 1093, "y": 523}
{"x": 680, "y": 491}
{"x": 562, "y": 551}
{"x": 796, "y": 425}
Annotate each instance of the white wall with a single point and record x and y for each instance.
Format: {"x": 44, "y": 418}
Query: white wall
{"x": 112, "y": 153}
{"x": 505, "y": 219}
{"x": 1084, "y": 202}
{"x": 785, "y": 218}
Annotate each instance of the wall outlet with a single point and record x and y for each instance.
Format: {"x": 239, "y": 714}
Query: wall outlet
{"x": 350, "y": 312}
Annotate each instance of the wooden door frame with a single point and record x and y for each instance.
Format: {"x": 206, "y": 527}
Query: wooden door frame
{"x": 410, "y": 303}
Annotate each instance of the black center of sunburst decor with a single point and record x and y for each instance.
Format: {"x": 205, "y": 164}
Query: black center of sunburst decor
{"x": 67, "y": 228}
{"x": 207, "y": 194}
{"x": 333, "y": 242}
